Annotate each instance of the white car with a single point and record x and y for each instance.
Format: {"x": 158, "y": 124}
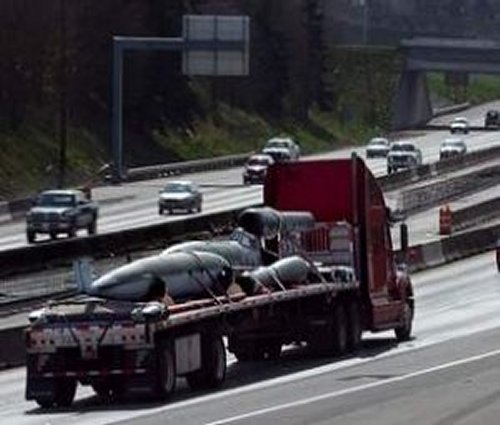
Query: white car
{"x": 378, "y": 147}
{"x": 459, "y": 125}
{"x": 282, "y": 149}
{"x": 256, "y": 168}
{"x": 454, "y": 146}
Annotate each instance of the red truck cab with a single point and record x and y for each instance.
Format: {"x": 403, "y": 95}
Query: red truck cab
{"x": 344, "y": 190}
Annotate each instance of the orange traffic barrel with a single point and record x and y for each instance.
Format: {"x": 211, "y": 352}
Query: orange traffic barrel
{"x": 445, "y": 220}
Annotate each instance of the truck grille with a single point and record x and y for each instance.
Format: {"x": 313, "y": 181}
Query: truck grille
{"x": 46, "y": 217}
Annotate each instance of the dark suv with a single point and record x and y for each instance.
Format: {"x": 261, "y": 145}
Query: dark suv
{"x": 61, "y": 211}
{"x": 492, "y": 119}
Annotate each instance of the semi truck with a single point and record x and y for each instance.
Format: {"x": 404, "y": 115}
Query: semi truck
{"x": 327, "y": 273}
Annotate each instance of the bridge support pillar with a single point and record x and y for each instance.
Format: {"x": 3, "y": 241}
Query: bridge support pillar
{"x": 412, "y": 105}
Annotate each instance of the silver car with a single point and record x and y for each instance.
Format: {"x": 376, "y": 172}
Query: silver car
{"x": 378, "y": 147}
{"x": 452, "y": 147}
{"x": 180, "y": 195}
{"x": 459, "y": 125}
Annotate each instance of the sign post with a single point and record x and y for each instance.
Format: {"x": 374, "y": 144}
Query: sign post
{"x": 210, "y": 45}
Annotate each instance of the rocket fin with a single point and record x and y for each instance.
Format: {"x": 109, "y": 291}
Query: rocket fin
{"x": 84, "y": 274}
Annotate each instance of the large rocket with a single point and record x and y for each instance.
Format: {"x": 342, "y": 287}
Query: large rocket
{"x": 200, "y": 269}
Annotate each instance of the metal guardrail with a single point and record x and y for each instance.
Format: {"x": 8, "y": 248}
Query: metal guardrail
{"x": 176, "y": 168}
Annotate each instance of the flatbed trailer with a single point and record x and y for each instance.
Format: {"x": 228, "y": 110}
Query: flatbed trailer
{"x": 122, "y": 348}
{"x": 127, "y": 348}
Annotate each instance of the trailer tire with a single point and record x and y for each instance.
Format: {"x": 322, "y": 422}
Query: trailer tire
{"x": 354, "y": 326}
{"x": 213, "y": 365}
{"x": 166, "y": 376}
{"x": 403, "y": 332}
{"x": 62, "y": 395}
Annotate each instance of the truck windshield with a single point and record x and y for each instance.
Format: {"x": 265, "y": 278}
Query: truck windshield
{"x": 277, "y": 144}
{"x": 404, "y": 148}
{"x": 259, "y": 161}
{"x": 176, "y": 188}
{"x": 56, "y": 200}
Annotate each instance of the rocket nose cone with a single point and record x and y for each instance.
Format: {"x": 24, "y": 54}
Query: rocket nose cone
{"x": 104, "y": 282}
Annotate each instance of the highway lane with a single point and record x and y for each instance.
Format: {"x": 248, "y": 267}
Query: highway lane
{"x": 448, "y": 374}
{"x": 135, "y": 204}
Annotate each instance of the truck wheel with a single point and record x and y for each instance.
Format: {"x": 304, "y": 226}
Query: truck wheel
{"x": 213, "y": 365}
{"x": 30, "y": 236}
{"x": 165, "y": 380}
{"x": 354, "y": 328}
{"x": 160, "y": 210}
{"x": 63, "y": 394}
{"x": 92, "y": 227}
{"x": 403, "y": 332}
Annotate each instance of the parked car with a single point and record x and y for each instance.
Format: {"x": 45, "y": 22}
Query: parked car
{"x": 180, "y": 195}
{"x": 256, "y": 168}
{"x": 403, "y": 155}
{"x": 61, "y": 211}
{"x": 459, "y": 125}
{"x": 282, "y": 149}
{"x": 492, "y": 119}
{"x": 378, "y": 147}
{"x": 452, "y": 147}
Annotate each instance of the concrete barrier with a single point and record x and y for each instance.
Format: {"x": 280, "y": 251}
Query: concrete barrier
{"x": 423, "y": 197}
{"x": 475, "y": 214}
{"x": 446, "y": 110}
{"x": 453, "y": 248}
{"x": 45, "y": 256}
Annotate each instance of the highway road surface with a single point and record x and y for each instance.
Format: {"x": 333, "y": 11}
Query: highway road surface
{"x": 448, "y": 374}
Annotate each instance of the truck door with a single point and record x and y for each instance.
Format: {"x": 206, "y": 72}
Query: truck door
{"x": 381, "y": 274}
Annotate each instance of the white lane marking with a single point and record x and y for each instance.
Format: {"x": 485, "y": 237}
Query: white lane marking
{"x": 340, "y": 393}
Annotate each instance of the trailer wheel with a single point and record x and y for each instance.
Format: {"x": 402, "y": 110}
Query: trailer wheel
{"x": 354, "y": 326}
{"x": 339, "y": 329}
{"x": 165, "y": 378}
{"x": 403, "y": 332}
{"x": 213, "y": 365}
{"x": 63, "y": 394}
